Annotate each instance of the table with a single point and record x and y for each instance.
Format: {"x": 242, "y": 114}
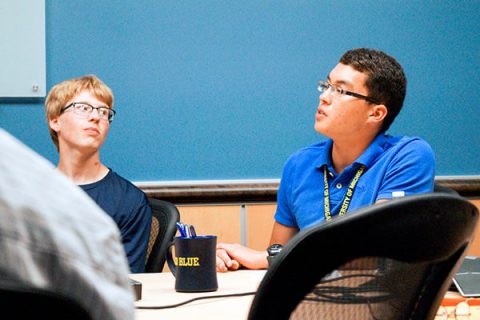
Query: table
{"x": 451, "y": 300}
{"x": 158, "y": 290}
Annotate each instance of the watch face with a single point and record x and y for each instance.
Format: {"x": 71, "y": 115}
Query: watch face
{"x": 274, "y": 249}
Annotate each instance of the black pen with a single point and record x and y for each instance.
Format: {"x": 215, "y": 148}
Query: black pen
{"x": 192, "y": 231}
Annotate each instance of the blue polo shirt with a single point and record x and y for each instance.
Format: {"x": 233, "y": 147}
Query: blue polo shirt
{"x": 394, "y": 166}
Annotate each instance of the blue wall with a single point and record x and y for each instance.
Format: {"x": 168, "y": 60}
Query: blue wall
{"x": 226, "y": 89}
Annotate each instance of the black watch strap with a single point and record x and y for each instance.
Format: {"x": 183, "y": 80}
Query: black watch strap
{"x": 272, "y": 251}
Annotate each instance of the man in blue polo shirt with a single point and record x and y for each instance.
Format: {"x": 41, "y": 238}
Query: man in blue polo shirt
{"x": 357, "y": 166}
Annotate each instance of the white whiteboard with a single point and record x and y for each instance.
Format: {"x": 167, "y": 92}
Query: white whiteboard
{"x": 22, "y": 48}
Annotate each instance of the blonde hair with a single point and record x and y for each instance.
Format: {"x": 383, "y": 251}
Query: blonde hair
{"x": 63, "y": 92}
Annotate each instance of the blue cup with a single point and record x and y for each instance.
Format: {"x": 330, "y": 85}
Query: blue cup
{"x": 194, "y": 264}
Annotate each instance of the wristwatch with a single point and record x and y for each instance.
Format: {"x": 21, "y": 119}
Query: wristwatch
{"x": 272, "y": 251}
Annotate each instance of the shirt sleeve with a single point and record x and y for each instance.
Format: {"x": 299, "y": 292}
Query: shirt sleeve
{"x": 411, "y": 171}
{"x": 284, "y": 215}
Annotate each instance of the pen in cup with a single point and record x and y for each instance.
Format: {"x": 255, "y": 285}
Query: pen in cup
{"x": 193, "y": 234}
{"x": 186, "y": 230}
{"x": 181, "y": 229}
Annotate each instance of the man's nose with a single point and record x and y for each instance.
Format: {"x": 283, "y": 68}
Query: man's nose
{"x": 326, "y": 97}
{"x": 94, "y": 114}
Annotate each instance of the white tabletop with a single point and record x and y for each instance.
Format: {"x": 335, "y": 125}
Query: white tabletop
{"x": 158, "y": 290}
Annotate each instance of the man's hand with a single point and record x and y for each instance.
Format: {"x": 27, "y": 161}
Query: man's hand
{"x": 233, "y": 256}
{"x": 225, "y": 262}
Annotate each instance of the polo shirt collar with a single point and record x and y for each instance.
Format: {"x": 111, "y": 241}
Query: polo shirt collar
{"x": 325, "y": 158}
{"x": 367, "y": 158}
{"x": 375, "y": 149}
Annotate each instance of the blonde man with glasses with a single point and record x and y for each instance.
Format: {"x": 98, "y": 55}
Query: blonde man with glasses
{"x": 358, "y": 165}
{"x": 79, "y": 114}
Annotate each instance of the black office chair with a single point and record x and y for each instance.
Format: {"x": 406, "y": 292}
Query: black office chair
{"x": 22, "y": 303}
{"x": 165, "y": 215}
{"x": 394, "y": 260}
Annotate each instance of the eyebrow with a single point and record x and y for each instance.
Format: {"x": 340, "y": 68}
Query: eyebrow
{"x": 344, "y": 82}
{"x": 101, "y": 106}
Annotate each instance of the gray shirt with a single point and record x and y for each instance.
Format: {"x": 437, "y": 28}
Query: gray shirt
{"x": 53, "y": 236}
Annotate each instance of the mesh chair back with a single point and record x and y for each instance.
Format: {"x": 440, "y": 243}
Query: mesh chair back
{"x": 393, "y": 260}
{"x": 165, "y": 215}
{"x": 154, "y": 232}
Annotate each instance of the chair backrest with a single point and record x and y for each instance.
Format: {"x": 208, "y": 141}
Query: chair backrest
{"x": 165, "y": 215}
{"x": 21, "y": 302}
{"x": 394, "y": 260}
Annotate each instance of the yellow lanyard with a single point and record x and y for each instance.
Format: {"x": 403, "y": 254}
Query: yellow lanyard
{"x": 348, "y": 195}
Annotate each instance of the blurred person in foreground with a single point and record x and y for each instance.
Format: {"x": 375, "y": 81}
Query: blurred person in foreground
{"x": 54, "y": 237}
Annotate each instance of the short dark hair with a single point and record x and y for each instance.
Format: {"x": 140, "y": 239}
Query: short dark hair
{"x": 386, "y": 81}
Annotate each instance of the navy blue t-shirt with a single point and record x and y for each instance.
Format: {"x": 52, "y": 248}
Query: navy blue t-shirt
{"x": 129, "y": 208}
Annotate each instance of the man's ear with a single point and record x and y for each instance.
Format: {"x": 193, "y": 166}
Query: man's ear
{"x": 54, "y": 124}
{"x": 378, "y": 113}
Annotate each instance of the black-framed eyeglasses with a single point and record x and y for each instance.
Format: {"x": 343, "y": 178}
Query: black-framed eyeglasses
{"x": 323, "y": 87}
{"x": 84, "y": 110}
